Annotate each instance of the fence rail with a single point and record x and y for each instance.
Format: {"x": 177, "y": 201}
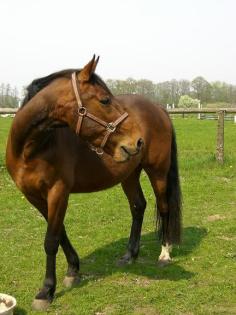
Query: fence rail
{"x": 201, "y": 110}
{"x": 8, "y": 111}
{"x": 220, "y": 125}
{"x": 171, "y": 111}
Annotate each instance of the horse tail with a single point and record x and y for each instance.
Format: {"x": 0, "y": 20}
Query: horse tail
{"x": 174, "y": 196}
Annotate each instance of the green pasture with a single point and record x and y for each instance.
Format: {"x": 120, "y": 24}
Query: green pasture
{"x": 202, "y": 276}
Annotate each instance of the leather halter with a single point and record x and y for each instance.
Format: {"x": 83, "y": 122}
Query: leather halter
{"x": 82, "y": 111}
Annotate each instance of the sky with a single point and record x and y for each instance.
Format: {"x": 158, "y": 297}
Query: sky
{"x": 156, "y": 40}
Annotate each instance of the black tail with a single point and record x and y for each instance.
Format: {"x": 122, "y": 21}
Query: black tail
{"x": 174, "y": 199}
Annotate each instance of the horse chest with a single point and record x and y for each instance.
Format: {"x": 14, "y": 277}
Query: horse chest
{"x": 101, "y": 174}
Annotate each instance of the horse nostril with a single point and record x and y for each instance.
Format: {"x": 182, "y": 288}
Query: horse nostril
{"x": 140, "y": 143}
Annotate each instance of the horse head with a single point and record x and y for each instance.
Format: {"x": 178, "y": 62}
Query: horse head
{"x": 101, "y": 120}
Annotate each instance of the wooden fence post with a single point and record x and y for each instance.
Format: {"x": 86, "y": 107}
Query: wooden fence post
{"x": 220, "y": 137}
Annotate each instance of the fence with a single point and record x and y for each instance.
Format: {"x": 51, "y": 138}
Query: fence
{"x": 220, "y": 126}
{"x": 8, "y": 111}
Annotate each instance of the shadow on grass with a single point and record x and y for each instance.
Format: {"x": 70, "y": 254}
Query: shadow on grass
{"x": 103, "y": 261}
{"x": 19, "y": 311}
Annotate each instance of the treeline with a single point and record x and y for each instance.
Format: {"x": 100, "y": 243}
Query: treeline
{"x": 170, "y": 92}
{"x": 9, "y": 97}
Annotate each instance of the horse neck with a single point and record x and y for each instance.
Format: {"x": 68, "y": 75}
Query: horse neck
{"x": 28, "y": 121}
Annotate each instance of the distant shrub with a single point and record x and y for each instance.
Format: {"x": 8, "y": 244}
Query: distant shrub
{"x": 186, "y": 101}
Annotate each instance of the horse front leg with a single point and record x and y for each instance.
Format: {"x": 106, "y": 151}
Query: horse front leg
{"x": 57, "y": 205}
{"x": 72, "y": 275}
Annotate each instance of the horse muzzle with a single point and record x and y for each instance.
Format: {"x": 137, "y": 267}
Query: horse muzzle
{"x": 128, "y": 151}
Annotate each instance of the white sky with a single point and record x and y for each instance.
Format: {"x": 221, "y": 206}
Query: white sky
{"x": 152, "y": 39}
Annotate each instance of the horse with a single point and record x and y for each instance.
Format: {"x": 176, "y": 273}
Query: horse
{"x": 72, "y": 135}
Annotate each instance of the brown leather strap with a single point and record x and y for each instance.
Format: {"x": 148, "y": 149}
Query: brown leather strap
{"x": 98, "y": 120}
{"x": 75, "y": 88}
{"x": 82, "y": 112}
{"x": 79, "y": 124}
{"x": 111, "y": 127}
{"x": 120, "y": 119}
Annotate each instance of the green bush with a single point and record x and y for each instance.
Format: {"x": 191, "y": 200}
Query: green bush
{"x": 186, "y": 101}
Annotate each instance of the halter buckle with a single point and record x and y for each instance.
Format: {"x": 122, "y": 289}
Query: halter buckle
{"x": 111, "y": 127}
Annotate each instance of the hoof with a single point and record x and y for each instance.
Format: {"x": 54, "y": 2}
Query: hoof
{"x": 125, "y": 260}
{"x": 40, "y": 305}
{"x": 164, "y": 262}
{"x": 69, "y": 282}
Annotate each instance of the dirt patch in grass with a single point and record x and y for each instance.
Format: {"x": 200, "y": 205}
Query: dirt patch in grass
{"x": 108, "y": 310}
{"x": 215, "y": 217}
{"x": 224, "y": 179}
{"x": 222, "y": 310}
{"x": 141, "y": 282}
{"x": 144, "y": 310}
{"x": 226, "y": 238}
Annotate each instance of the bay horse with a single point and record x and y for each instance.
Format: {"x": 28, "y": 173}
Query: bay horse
{"x": 71, "y": 135}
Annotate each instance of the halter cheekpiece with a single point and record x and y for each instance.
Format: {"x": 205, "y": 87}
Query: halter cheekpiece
{"x": 82, "y": 111}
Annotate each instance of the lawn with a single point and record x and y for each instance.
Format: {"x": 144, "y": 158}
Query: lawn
{"x": 202, "y": 276}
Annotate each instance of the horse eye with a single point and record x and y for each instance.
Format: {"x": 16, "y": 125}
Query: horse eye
{"x": 105, "y": 101}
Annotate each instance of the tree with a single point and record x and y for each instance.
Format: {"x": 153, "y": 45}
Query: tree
{"x": 184, "y": 87}
{"x": 186, "y": 101}
{"x": 201, "y": 89}
{"x": 164, "y": 92}
{"x": 169, "y": 92}
{"x": 131, "y": 86}
{"x": 8, "y": 96}
{"x": 2, "y": 93}
{"x": 175, "y": 91}
{"x": 146, "y": 88}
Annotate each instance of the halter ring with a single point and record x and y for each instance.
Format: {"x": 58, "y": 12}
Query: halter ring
{"x": 99, "y": 151}
{"x": 82, "y": 111}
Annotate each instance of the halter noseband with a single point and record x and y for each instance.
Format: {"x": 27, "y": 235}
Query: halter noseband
{"x": 82, "y": 111}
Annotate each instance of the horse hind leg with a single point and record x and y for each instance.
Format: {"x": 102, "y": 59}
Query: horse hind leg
{"x": 168, "y": 214}
{"x": 72, "y": 275}
{"x": 159, "y": 187}
{"x": 137, "y": 202}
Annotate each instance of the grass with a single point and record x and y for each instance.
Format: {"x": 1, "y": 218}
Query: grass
{"x": 202, "y": 277}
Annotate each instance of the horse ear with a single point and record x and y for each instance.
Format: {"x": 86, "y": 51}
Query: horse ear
{"x": 88, "y": 70}
{"x": 95, "y": 64}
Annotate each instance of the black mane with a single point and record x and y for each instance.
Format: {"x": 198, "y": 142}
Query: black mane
{"x": 40, "y": 83}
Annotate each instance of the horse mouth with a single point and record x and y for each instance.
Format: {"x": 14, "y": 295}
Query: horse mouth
{"x": 130, "y": 152}
{"x": 126, "y": 154}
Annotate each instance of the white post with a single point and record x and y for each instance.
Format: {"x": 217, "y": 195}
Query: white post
{"x": 235, "y": 119}
{"x": 199, "y": 107}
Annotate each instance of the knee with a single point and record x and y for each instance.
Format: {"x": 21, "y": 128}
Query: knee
{"x": 51, "y": 245}
{"x": 139, "y": 207}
